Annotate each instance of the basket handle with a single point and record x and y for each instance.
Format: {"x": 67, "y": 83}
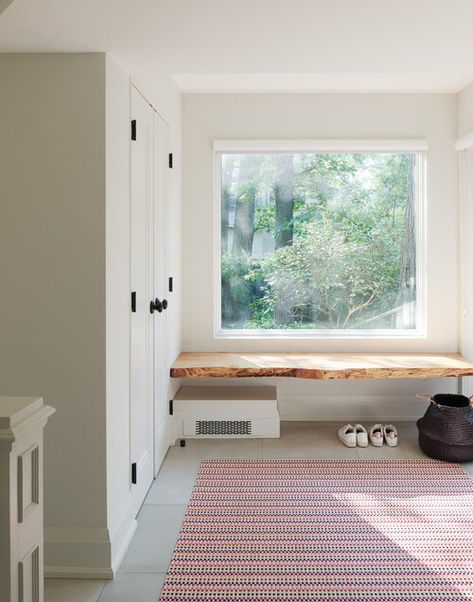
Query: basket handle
{"x": 427, "y": 397}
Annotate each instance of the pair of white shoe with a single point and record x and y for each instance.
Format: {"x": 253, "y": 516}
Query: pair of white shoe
{"x": 357, "y": 436}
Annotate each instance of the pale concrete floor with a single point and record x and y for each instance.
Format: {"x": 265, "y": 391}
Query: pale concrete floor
{"x": 143, "y": 569}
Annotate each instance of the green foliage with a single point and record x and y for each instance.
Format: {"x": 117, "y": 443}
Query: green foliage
{"x": 343, "y": 266}
{"x": 328, "y": 276}
{"x": 240, "y": 278}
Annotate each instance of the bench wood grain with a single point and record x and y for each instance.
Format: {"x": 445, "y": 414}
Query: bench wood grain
{"x": 322, "y": 366}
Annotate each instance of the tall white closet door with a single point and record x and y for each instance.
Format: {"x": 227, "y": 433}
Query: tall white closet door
{"x": 161, "y": 287}
{"x": 141, "y": 278}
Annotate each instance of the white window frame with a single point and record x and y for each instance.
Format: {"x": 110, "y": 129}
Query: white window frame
{"x": 417, "y": 146}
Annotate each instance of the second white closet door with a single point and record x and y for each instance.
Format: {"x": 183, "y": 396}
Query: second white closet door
{"x": 161, "y": 286}
{"x": 141, "y": 277}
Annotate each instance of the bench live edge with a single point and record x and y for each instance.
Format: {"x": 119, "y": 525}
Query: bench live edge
{"x": 320, "y": 366}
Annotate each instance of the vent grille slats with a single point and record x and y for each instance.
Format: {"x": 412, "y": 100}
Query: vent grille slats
{"x": 223, "y": 427}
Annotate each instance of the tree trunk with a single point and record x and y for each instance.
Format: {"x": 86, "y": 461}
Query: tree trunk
{"x": 407, "y": 280}
{"x": 284, "y": 202}
{"x": 284, "y": 226}
{"x": 244, "y": 230}
{"x": 227, "y": 172}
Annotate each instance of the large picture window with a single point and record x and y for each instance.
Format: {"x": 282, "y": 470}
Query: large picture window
{"x": 319, "y": 242}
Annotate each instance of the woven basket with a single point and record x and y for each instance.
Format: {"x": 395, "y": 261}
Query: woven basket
{"x": 446, "y": 429}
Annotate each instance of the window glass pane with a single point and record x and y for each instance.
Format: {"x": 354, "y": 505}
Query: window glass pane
{"x": 318, "y": 241}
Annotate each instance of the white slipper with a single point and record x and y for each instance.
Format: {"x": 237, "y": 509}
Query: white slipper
{"x": 390, "y": 435}
{"x": 376, "y": 435}
{"x": 361, "y": 435}
{"x": 347, "y": 435}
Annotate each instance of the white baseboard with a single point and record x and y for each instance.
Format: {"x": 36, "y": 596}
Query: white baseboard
{"x": 121, "y": 540}
{"x": 75, "y": 552}
{"x": 73, "y": 572}
{"x": 120, "y": 546}
{"x": 166, "y": 438}
{"x": 89, "y": 553}
{"x": 350, "y": 407}
{"x": 94, "y": 553}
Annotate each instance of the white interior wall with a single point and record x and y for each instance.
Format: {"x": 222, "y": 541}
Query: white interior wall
{"x": 465, "y": 128}
{"x": 465, "y": 111}
{"x": 64, "y": 308}
{"x": 357, "y": 116}
{"x": 4, "y": 4}
{"x": 52, "y": 255}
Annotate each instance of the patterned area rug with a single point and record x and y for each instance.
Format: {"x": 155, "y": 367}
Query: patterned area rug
{"x": 338, "y": 531}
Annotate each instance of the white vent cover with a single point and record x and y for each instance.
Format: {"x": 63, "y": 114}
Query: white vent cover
{"x": 226, "y": 412}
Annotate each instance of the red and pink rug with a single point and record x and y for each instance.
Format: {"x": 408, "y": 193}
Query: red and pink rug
{"x": 325, "y": 531}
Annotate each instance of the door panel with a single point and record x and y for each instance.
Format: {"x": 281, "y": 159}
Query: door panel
{"x": 161, "y": 368}
{"x": 141, "y": 278}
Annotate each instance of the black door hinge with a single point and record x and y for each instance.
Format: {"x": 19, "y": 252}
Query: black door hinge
{"x": 133, "y": 301}
{"x": 133, "y": 129}
{"x": 170, "y": 284}
{"x": 170, "y": 161}
{"x": 171, "y": 407}
{"x": 133, "y": 473}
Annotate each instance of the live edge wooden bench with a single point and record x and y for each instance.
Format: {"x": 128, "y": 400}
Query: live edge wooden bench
{"x": 214, "y": 410}
{"x": 321, "y": 366}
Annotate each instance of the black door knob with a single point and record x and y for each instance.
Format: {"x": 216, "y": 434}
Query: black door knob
{"x": 158, "y": 305}
{"x": 155, "y": 305}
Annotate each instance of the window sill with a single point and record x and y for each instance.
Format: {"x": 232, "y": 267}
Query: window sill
{"x": 328, "y": 335}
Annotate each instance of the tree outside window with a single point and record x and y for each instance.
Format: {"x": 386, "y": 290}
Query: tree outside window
{"x": 318, "y": 241}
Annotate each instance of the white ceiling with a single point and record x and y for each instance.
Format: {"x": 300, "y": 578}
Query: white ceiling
{"x": 261, "y": 45}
